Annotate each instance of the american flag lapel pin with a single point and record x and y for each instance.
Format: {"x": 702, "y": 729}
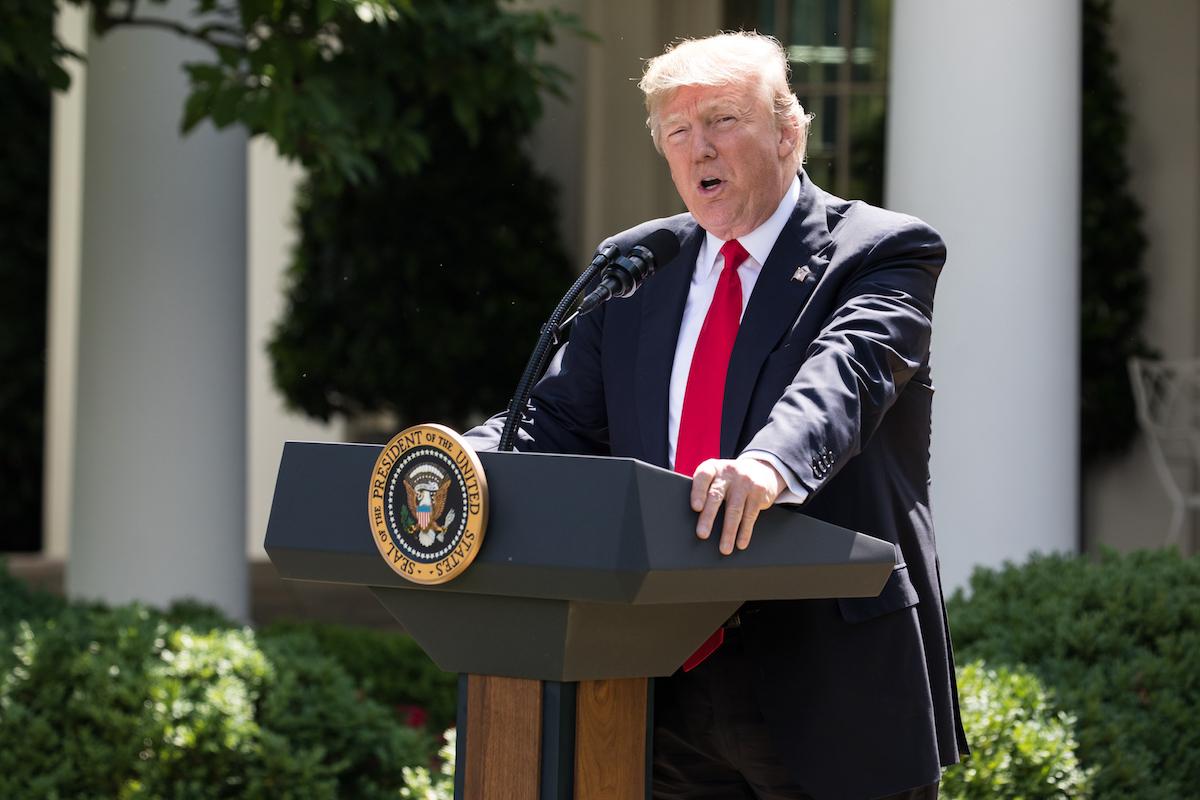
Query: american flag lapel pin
{"x": 801, "y": 274}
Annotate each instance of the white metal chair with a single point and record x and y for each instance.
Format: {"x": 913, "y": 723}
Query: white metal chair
{"x": 1167, "y": 394}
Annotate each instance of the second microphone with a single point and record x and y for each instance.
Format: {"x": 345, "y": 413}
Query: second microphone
{"x": 623, "y": 277}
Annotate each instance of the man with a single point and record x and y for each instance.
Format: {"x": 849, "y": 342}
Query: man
{"x": 782, "y": 356}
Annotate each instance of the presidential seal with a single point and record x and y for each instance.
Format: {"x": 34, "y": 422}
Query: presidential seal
{"x": 428, "y": 504}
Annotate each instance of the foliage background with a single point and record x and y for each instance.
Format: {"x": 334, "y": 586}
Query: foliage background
{"x": 426, "y": 235}
{"x": 1117, "y": 643}
{"x": 1021, "y": 746}
{"x": 24, "y": 208}
{"x": 1112, "y": 245}
{"x": 419, "y": 292}
{"x": 399, "y": 109}
{"x": 131, "y": 702}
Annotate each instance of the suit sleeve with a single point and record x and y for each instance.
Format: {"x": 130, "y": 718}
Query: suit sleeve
{"x": 873, "y": 343}
{"x": 568, "y": 413}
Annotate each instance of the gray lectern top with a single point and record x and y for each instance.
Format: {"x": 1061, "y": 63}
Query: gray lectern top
{"x": 589, "y": 568}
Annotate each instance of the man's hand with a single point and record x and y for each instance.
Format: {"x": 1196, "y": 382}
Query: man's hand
{"x": 745, "y": 485}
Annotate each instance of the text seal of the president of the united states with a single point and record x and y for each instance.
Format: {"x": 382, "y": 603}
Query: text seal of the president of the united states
{"x": 428, "y": 504}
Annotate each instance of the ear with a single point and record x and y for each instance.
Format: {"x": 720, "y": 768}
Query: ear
{"x": 789, "y": 135}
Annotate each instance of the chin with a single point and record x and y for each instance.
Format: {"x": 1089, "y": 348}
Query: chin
{"x": 722, "y": 230}
{"x": 711, "y": 223}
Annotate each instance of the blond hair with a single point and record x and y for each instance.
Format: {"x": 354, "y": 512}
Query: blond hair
{"x": 727, "y": 58}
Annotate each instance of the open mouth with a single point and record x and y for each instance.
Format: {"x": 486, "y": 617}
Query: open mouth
{"x": 709, "y": 183}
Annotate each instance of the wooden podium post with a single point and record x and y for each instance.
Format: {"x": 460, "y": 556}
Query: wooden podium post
{"x": 589, "y": 581}
{"x": 503, "y": 734}
{"x": 610, "y": 739}
{"x": 503, "y": 739}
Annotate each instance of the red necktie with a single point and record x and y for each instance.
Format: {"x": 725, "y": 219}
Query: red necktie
{"x": 700, "y": 422}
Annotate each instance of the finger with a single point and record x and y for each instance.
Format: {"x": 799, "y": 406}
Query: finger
{"x": 712, "y": 502}
{"x": 746, "y": 530}
{"x": 700, "y": 483}
{"x": 735, "y": 507}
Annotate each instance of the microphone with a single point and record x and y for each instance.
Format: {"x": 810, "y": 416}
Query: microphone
{"x": 549, "y": 336}
{"x": 627, "y": 273}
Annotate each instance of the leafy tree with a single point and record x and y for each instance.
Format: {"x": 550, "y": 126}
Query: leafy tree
{"x": 303, "y": 71}
{"x": 28, "y": 46}
{"x": 1112, "y": 243}
{"x": 426, "y": 235}
{"x": 25, "y": 71}
{"x": 419, "y": 292}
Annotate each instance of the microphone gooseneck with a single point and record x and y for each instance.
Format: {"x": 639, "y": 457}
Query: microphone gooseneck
{"x": 541, "y": 352}
{"x": 622, "y": 276}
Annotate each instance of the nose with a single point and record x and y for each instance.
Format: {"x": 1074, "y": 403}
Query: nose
{"x": 702, "y": 146}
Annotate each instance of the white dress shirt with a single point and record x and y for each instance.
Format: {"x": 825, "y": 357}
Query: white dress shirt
{"x": 709, "y": 265}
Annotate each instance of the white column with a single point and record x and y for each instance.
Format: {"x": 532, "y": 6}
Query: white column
{"x": 62, "y": 308}
{"x": 159, "y": 495}
{"x": 983, "y": 130}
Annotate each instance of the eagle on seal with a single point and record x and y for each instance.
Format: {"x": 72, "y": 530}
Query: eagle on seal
{"x": 426, "y": 501}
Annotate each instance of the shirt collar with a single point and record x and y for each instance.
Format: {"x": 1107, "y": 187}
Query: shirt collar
{"x": 758, "y": 242}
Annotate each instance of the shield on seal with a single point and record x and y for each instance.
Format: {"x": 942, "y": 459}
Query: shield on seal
{"x": 424, "y": 510}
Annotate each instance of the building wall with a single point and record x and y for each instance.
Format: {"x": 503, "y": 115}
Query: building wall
{"x": 270, "y": 194}
{"x": 625, "y": 180}
{"x": 595, "y": 145}
{"x": 1159, "y": 68}
{"x": 612, "y": 178}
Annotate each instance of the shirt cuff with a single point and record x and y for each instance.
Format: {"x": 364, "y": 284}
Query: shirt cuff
{"x": 795, "y": 492}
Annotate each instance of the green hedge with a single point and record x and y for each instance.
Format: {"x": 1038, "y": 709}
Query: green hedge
{"x": 24, "y": 212}
{"x": 129, "y": 702}
{"x": 423, "y": 783}
{"x": 390, "y": 669}
{"x": 1021, "y": 747}
{"x": 450, "y": 258}
{"x": 1117, "y": 643}
{"x": 1114, "y": 285}
{"x": 18, "y": 602}
{"x": 1080, "y": 679}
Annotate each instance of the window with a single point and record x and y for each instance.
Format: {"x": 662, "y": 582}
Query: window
{"x": 839, "y": 57}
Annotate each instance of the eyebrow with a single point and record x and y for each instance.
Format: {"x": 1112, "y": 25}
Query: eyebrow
{"x": 709, "y": 107}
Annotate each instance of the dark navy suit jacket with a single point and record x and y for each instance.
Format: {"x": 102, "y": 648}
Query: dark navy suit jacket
{"x": 829, "y": 372}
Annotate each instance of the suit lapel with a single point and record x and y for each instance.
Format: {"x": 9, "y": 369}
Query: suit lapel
{"x": 662, "y": 300}
{"x": 792, "y": 271}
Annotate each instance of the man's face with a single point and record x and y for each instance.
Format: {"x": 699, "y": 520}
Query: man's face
{"x": 728, "y": 158}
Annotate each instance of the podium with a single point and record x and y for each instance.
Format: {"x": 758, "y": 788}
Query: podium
{"x": 590, "y": 580}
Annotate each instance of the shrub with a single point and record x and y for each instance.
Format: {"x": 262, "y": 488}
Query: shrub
{"x": 1020, "y": 746}
{"x": 122, "y": 703}
{"x": 1113, "y": 279}
{"x": 399, "y": 284}
{"x": 1118, "y": 644}
{"x": 19, "y": 602}
{"x": 130, "y": 702}
{"x": 24, "y": 215}
{"x": 421, "y": 783}
{"x": 389, "y": 668}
